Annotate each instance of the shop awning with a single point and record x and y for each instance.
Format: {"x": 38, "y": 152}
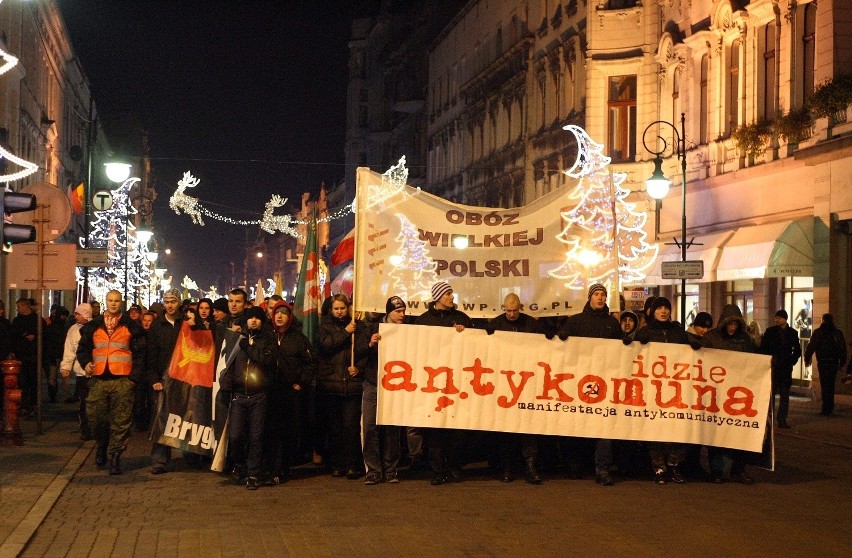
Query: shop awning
{"x": 706, "y": 248}
{"x": 784, "y": 249}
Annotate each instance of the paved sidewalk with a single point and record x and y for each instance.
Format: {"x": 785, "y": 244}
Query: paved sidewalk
{"x": 33, "y": 476}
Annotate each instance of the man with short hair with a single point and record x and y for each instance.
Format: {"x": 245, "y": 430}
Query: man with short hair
{"x": 512, "y": 319}
{"x": 595, "y": 321}
{"x": 237, "y": 301}
{"x": 148, "y": 319}
{"x": 96, "y": 309}
{"x": 112, "y": 352}
{"x": 25, "y": 347}
{"x": 781, "y": 342}
{"x": 162, "y": 338}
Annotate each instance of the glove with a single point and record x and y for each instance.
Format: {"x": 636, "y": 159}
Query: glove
{"x": 627, "y": 341}
{"x": 563, "y": 336}
{"x": 549, "y": 335}
{"x": 643, "y": 341}
{"x": 489, "y": 330}
{"x": 695, "y": 345}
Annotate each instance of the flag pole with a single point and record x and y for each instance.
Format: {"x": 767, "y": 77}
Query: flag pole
{"x": 355, "y": 266}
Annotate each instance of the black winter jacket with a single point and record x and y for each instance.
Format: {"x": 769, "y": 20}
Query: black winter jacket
{"x": 591, "y": 323}
{"x": 662, "y": 332}
{"x": 334, "y": 350}
{"x": 162, "y": 337}
{"x": 718, "y": 338}
{"x": 783, "y": 345}
{"x": 443, "y": 318}
{"x": 254, "y": 366}
{"x": 294, "y": 358}
{"x": 524, "y": 324}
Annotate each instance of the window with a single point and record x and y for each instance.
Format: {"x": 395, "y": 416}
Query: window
{"x": 741, "y": 293}
{"x": 798, "y": 296}
{"x": 692, "y": 304}
{"x": 704, "y": 99}
{"x": 769, "y": 93}
{"x": 808, "y": 52}
{"x": 676, "y": 102}
{"x": 733, "y": 87}
{"x": 621, "y": 128}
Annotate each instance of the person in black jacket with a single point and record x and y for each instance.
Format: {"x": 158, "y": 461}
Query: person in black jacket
{"x": 594, "y": 321}
{"x": 731, "y": 335}
{"x": 512, "y": 319}
{"x": 781, "y": 342}
{"x": 339, "y": 383}
{"x": 295, "y": 368}
{"x": 666, "y": 457}
{"x": 444, "y": 444}
{"x": 829, "y": 346}
{"x": 162, "y": 337}
{"x": 248, "y": 381}
{"x": 382, "y": 444}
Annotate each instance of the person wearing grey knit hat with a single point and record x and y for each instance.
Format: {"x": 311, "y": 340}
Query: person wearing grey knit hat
{"x": 172, "y": 293}
{"x": 597, "y": 287}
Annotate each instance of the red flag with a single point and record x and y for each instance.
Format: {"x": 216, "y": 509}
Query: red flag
{"x": 345, "y": 251}
{"x": 77, "y": 195}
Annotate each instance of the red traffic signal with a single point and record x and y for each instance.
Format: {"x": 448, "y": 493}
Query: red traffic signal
{"x": 14, "y": 202}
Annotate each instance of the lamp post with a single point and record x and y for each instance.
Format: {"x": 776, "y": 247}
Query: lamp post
{"x": 658, "y": 185}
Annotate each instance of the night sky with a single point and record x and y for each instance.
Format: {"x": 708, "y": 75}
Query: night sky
{"x": 250, "y": 96}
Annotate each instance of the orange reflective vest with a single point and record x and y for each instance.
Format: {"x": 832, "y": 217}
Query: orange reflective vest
{"x": 112, "y": 352}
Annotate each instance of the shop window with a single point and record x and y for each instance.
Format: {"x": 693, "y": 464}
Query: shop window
{"x": 741, "y": 293}
{"x": 798, "y": 296}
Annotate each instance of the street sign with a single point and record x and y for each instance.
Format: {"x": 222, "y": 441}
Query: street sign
{"x": 93, "y": 257}
{"x": 102, "y": 200}
{"x": 692, "y": 269}
{"x": 58, "y": 273}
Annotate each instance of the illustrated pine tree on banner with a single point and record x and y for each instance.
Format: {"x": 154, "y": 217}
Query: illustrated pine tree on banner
{"x": 601, "y": 209}
{"x": 413, "y": 270}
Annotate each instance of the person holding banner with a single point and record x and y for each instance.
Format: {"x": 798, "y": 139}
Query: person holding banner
{"x": 445, "y": 444}
{"x": 512, "y": 319}
{"x": 666, "y": 457}
{"x": 595, "y": 321}
{"x": 112, "y": 352}
{"x": 161, "y": 345}
{"x": 382, "y": 444}
{"x": 248, "y": 380}
{"x": 295, "y": 367}
{"x": 730, "y": 335}
{"x": 340, "y": 385}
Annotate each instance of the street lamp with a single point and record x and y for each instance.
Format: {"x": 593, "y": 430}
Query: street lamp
{"x": 658, "y": 185}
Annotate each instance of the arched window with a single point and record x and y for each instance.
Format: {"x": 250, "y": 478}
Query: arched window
{"x": 676, "y": 100}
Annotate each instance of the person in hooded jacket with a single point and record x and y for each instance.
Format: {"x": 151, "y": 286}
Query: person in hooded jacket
{"x": 295, "y": 368}
{"x": 629, "y": 323}
{"x": 666, "y": 457}
{"x": 444, "y": 444}
{"x": 829, "y": 346}
{"x": 247, "y": 381}
{"x": 340, "y": 385}
{"x": 731, "y": 335}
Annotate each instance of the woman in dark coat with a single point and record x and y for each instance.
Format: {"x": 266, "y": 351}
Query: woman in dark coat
{"x": 339, "y": 385}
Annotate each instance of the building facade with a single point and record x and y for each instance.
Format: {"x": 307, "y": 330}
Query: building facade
{"x": 768, "y": 201}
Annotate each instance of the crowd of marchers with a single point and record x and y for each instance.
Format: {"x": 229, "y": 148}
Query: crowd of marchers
{"x": 290, "y": 401}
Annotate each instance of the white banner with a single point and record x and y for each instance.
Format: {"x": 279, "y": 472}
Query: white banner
{"x": 596, "y": 388}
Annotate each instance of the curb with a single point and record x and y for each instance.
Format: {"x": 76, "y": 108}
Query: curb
{"x": 23, "y": 532}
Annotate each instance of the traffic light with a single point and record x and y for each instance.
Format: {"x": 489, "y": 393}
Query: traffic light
{"x": 14, "y": 202}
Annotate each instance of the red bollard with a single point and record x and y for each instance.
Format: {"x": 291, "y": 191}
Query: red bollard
{"x": 11, "y": 403}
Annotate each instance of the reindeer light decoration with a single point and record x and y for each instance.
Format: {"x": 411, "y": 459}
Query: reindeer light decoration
{"x": 183, "y": 202}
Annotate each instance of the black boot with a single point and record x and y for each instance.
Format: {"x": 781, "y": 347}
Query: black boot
{"x": 531, "y": 475}
{"x": 507, "y": 470}
{"x": 101, "y": 456}
{"x": 115, "y": 464}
